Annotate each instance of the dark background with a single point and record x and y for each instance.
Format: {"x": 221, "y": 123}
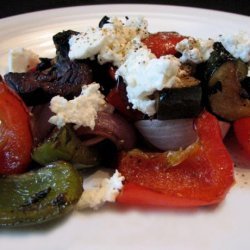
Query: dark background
{"x": 14, "y": 7}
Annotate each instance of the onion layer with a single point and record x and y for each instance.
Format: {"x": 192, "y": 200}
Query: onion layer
{"x": 168, "y": 134}
{"x": 40, "y": 126}
{"x": 112, "y": 127}
{"x": 172, "y": 134}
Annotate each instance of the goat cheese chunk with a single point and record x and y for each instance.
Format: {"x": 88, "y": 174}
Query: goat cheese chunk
{"x": 238, "y": 45}
{"x": 86, "y": 44}
{"x": 21, "y": 60}
{"x": 144, "y": 74}
{"x": 110, "y": 43}
{"x": 100, "y": 188}
{"x": 81, "y": 111}
{"x": 194, "y": 50}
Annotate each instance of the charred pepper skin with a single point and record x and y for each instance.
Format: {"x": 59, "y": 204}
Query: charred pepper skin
{"x": 39, "y": 196}
{"x": 65, "y": 145}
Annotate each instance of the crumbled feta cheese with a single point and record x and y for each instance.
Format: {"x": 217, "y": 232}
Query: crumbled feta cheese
{"x": 99, "y": 188}
{"x": 82, "y": 110}
{"x": 238, "y": 45}
{"x": 144, "y": 74}
{"x": 111, "y": 42}
{"x": 86, "y": 44}
{"x": 21, "y": 60}
{"x": 194, "y": 50}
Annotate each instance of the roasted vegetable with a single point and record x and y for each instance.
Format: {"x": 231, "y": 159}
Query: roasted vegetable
{"x": 37, "y": 197}
{"x": 196, "y": 176}
{"x": 219, "y": 56}
{"x": 61, "y": 41}
{"x": 163, "y": 43}
{"x": 245, "y": 90}
{"x": 103, "y": 21}
{"x": 63, "y": 78}
{"x": 225, "y": 93}
{"x": 58, "y": 76}
{"x": 65, "y": 145}
{"x": 40, "y": 127}
{"x": 15, "y": 133}
{"x": 176, "y": 103}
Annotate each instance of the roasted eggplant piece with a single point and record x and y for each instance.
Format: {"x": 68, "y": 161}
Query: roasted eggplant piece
{"x": 179, "y": 103}
{"x": 65, "y": 145}
{"x": 39, "y": 196}
{"x": 226, "y": 95}
{"x": 58, "y": 76}
{"x": 104, "y": 21}
{"x": 64, "y": 78}
{"x": 61, "y": 41}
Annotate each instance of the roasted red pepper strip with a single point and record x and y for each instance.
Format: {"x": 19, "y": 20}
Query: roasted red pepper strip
{"x": 118, "y": 98}
{"x": 203, "y": 178}
{"x": 15, "y": 133}
{"x": 242, "y": 133}
{"x": 163, "y": 43}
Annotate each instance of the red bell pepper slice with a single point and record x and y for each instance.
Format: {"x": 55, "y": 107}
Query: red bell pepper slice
{"x": 242, "y": 133}
{"x": 118, "y": 98}
{"x": 15, "y": 133}
{"x": 163, "y": 43}
{"x": 203, "y": 178}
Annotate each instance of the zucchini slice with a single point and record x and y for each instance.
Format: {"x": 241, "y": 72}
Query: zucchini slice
{"x": 225, "y": 99}
{"x": 179, "y": 103}
{"x": 224, "y": 90}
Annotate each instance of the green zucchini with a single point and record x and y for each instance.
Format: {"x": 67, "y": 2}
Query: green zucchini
{"x": 39, "y": 196}
{"x": 179, "y": 103}
{"x": 225, "y": 98}
{"x": 65, "y": 145}
{"x": 225, "y": 93}
{"x": 218, "y": 57}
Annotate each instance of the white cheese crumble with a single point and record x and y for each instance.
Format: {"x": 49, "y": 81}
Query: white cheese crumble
{"x": 86, "y": 44}
{"x": 194, "y": 50}
{"x": 81, "y": 111}
{"x": 21, "y": 60}
{"x": 99, "y": 188}
{"x": 144, "y": 74}
{"x": 238, "y": 45}
{"x": 110, "y": 43}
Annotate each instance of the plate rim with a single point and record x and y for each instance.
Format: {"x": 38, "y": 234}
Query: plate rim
{"x": 118, "y": 5}
{"x": 31, "y": 14}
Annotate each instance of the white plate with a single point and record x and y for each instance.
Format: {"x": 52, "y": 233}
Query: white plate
{"x": 223, "y": 227}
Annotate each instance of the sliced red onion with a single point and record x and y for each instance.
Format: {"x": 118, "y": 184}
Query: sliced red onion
{"x": 168, "y": 134}
{"x": 93, "y": 140}
{"x": 40, "y": 126}
{"x": 172, "y": 134}
{"x": 113, "y": 127}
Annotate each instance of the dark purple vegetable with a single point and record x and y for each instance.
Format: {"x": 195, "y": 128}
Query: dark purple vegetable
{"x": 40, "y": 126}
{"x": 112, "y": 127}
{"x": 103, "y": 21}
{"x": 58, "y": 76}
{"x": 61, "y": 41}
{"x": 64, "y": 78}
